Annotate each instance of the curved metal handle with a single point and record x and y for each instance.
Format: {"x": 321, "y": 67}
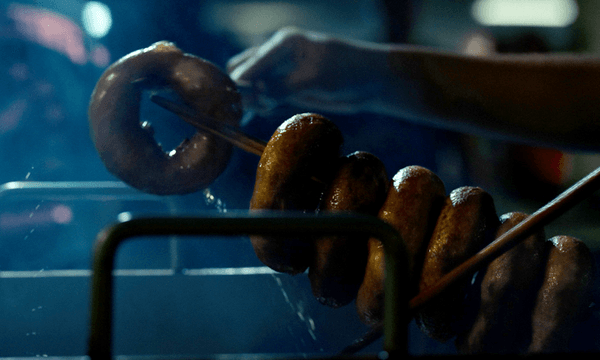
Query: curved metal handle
{"x": 108, "y": 240}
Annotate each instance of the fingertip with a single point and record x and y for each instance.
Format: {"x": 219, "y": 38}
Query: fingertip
{"x": 245, "y": 71}
{"x": 237, "y": 76}
{"x": 239, "y": 59}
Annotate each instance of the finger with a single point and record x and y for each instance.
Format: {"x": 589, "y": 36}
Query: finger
{"x": 270, "y": 60}
{"x": 240, "y": 58}
{"x": 256, "y": 100}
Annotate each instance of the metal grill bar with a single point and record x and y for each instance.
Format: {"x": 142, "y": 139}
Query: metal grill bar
{"x": 108, "y": 241}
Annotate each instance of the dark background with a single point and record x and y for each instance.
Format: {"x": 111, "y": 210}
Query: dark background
{"x": 44, "y": 137}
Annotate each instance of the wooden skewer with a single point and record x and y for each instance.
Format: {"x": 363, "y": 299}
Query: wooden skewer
{"x": 225, "y": 131}
{"x": 545, "y": 215}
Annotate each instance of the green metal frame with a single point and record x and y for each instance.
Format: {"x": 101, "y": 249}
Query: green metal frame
{"x": 108, "y": 241}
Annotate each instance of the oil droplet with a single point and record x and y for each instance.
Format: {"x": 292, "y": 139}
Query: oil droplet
{"x": 62, "y": 214}
{"x": 28, "y": 174}
{"x": 212, "y": 200}
{"x": 41, "y": 271}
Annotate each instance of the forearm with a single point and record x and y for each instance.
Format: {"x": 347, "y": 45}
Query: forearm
{"x": 548, "y": 99}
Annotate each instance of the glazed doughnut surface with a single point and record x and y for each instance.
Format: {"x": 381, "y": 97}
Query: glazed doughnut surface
{"x": 304, "y": 147}
{"x": 129, "y": 149}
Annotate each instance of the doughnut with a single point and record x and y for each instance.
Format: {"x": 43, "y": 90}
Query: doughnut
{"x": 466, "y": 224}
{"x": 338, "y": 263}
{"x": 129, "y": 150}
{"x": 520, "y": 302}
{"x": 508, "y": 290}
{"x": 295, "y": 166}
{"x": 412, "y": 206}
{"x": 564, "y": 297}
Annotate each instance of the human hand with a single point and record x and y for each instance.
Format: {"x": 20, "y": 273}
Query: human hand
{"x": 531, "y": 98}
{"x": 303, "y": 68}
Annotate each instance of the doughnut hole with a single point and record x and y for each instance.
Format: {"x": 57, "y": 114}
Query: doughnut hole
{"x": 168, "y": 129}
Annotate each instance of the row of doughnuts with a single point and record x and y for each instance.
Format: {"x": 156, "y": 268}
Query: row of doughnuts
{"x": 526, "y": 300}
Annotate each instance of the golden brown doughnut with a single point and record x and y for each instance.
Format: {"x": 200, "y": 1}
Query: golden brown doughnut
{"x": 565, "y": 295}
{"x": 508, "y": 290}
{"x": 304, "y": 148}
{"x": 130, "y": 151}
{"x": 439, "y": 232}
{"x": 412, "y": 206}
{"x": 338, "y": 263}
{"x": 466, "y": 223}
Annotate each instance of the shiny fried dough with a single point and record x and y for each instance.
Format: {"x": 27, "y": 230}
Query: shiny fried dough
{"x": 303, "y": 148}
{"x": 412, "y": 206}
{"x": 129, "y": 150}
{"x": 508, "y": 292}
{"x": 466, "y": 224}
{"x": 336, "y": 272}
{"x": 565, "y": 294}
{"x": 526, "y": 300}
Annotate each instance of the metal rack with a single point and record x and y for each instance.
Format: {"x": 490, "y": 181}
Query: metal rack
{"x": 172, "y": 227}
{"x": 100, "y": 341}
{"x": 100, "y": 344}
